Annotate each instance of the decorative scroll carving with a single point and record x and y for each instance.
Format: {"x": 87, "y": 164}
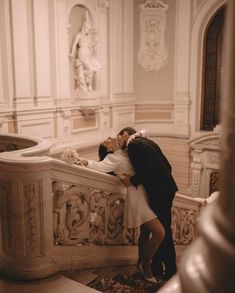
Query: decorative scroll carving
{"x": 98, "y": 216}
{"x": 183, "y": 225}
{"x": 115, "y": 227}
{"x": 88, "y": 216}
{"x": 152, "y": 53}
{"x": 33, "y": 224}
{"x": 71, "y": 213}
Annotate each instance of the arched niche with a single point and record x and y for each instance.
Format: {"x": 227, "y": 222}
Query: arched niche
{"x": 79, "y": 12}
{"x": 212, "y": 72}
{"x": 204, "y": 14}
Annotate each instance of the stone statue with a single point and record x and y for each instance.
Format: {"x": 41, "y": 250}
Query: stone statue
{"x": 85, "y": 63}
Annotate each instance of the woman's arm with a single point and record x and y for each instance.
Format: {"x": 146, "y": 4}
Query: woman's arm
{"x": 109, "y": 164}
{"x": 142, "y": 133}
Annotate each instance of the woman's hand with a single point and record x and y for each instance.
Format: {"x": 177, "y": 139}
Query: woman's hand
{"x": 81, "y": 162}
{"x": 134, "y": 136}
{"x": 142, "y": 133}
{"x": 125, "y": 179}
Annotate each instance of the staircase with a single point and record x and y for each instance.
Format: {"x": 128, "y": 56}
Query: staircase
{"x": 61, "y": 218}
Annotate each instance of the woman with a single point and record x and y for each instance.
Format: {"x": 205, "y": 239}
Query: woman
{"x": 137, "y": 211}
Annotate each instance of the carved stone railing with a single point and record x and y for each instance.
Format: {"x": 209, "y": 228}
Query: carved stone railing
{"x": 59, "y": 217}
{"x": 205, "y": 152}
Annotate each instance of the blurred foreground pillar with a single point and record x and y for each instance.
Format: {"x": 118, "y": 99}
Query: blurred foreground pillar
{"x": 209, "y": 264}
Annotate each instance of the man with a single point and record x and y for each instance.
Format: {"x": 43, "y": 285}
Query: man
{"x": 153, "y": 170}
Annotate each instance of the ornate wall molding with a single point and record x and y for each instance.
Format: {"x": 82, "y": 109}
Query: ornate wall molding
{"x": 152, "y": 52}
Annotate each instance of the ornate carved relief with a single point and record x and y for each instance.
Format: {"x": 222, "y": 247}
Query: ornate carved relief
{"x": 115, "y": 227}
{"x": 152, "y": 52}
{"x": 71, "y": 213}
{"x": 8, "y": 235}
{"x": 196, "y": 154}
{"x": 205, "y": 152}
{"x": 183, "y": 225}
{"x": 196, "y": 175}
{"x": 89, "y": 216}
{"x": 33, "y": 223}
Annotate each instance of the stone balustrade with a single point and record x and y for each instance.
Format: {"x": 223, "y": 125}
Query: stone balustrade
{"x": 55, "y": 216}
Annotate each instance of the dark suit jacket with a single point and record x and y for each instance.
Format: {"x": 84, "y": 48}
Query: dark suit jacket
{"x": 153, "y": 170}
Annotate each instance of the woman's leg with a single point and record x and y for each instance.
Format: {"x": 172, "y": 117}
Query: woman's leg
{"x": 142, "y": 242}
{"x": 158, "y": 234}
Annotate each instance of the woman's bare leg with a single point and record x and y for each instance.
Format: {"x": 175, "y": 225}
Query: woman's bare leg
{"x": 142, "y": 242}
{"x": 158, "y": 234}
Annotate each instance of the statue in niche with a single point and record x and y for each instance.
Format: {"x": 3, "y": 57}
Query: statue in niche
{"x": 85, "y": 63}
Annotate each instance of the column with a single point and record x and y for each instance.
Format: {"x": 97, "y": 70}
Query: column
{"x": 209, "y": 264}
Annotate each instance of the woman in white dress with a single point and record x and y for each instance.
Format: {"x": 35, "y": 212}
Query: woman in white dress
{"x": 137, "y": 210}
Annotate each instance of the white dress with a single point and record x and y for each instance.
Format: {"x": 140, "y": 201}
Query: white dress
{"x": 137, "y": 210}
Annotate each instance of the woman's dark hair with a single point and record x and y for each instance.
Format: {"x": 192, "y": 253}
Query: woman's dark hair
{"x": 129, "y": 131}
{"x": 102, "y": 152}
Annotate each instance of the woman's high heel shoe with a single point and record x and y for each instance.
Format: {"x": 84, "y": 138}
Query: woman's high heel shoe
{"x": 151, "y": 279}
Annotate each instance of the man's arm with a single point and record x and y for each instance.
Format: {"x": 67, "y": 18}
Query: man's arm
{"x": 137, "y": 158}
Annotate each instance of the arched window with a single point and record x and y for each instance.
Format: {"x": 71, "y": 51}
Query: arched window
{"x": 212, "y": 72}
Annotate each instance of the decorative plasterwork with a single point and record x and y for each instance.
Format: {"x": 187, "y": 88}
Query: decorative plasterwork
{"x": 153, "y": 52}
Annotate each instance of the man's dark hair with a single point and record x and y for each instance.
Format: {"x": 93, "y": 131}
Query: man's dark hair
{"x": 129, "y": 131}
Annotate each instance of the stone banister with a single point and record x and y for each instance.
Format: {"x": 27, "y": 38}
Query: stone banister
{"x": 56, "y": 216}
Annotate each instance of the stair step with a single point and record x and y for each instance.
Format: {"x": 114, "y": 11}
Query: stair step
{"x": 54, "y": 284}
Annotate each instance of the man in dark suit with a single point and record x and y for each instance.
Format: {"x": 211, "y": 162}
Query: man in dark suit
{"x": 153, "y": 170}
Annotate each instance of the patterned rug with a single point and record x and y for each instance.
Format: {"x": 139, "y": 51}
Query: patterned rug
{"x": 124, "y": 283}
